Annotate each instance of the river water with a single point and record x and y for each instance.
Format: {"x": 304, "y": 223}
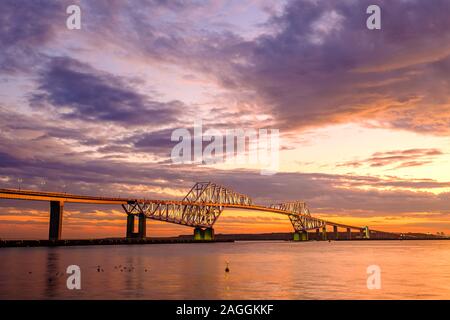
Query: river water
{"x": 258, "y": 270}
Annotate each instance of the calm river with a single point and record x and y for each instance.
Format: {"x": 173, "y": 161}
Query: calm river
{"x": 258, "y": 270}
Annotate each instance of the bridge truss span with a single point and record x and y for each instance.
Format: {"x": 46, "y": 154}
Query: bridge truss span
{"x": 205, "y": 202}
{"x": 213, "y": 193}
{"x": 299, "y": 216}
{"x": 201, "y": 207}
{"x": 192, "y": 215}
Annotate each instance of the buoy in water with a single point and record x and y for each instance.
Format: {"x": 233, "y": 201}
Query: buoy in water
{"x": 226, "y": 268}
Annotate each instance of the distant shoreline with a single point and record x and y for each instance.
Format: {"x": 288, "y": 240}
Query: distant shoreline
{"x": 94, "y": 242}
{"x": 220, "y": 238}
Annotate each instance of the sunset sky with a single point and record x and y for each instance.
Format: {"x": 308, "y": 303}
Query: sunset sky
{"x": 363, "y": 115}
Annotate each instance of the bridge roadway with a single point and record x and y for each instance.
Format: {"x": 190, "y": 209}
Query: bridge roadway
{"x": 133, "y": 207}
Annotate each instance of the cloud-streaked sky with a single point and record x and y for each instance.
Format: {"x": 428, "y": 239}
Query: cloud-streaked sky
{"x": 364, "y": 115}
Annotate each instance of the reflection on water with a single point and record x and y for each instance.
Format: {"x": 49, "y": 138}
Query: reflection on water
{"x": 258, "y": 270}
{"x": 53, "y": 271}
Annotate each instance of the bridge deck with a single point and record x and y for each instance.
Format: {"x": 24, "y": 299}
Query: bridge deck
{"x": 57, "y": 196}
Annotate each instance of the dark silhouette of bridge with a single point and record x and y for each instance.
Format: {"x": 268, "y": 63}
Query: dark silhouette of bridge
{"x": 200, "y": 209}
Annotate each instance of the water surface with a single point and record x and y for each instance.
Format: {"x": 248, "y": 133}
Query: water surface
{"x": 258, "y": 270}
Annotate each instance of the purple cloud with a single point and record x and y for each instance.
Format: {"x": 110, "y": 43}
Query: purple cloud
{"x": 92, "y": 95}
{"x": 25, "y": 26}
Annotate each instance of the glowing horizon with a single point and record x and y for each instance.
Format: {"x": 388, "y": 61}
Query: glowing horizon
{"x": 363, "y": 115}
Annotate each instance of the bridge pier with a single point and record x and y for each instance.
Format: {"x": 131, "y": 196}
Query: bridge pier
{"x": 142, "y": 226}
{"x": 142, "y": 233}
{"x": 203, "y": 234}
{"x": 349, "y": 234}
{"x": 301, "y": 235}
{"x": 317, "y": 234}
{"x": 208, "y": 234}
{"x": 130, "y": 226}
{"x": 335, "y": 233}
{"x": 324, "y": 233}
{"x": 56, "y": 216}
{"x": 198, "y": 234}
{"x": 365, "y": 233}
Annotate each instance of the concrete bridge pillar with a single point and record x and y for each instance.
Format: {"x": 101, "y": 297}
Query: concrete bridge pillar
{"x": 130, "y": 226}
{"x": 335, "y": 233}
{"x": 198, "y": 234}
{"x": 349, "y": 233}
{"x": 317, "y": 234}
{"x": 324, "y": 233}
{"x": 208, "y": 234}
{"x": 142, "y": 231}
{"x": 142, "y": 227}
{"x": 56, "y": 216}
{"x": 301, "y": 235}
{"x": 365, "y": 233}
{"x": 203, "y": 234}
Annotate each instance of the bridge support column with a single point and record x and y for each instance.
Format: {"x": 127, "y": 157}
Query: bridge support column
{"x": 56, "y": 215}
{"x": 198, "y": 234}
{"x": 349, "y": 234}
{"x": 335, "y": 233}
{"x": 324, "y": 233}
{"x": 301, "y": 236}
{"x": 317, "y": 234}
{"x": 142, "y": 226}
{"x": 366, "y": 233}
{"x": 208, "y": 234}
{"x": 204, "y": 235}
{"x": 130, "y": 226}
{"x": 142, "y": 233}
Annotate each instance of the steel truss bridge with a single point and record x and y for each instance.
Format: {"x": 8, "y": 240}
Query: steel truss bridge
{"x": 200, "y": 209}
